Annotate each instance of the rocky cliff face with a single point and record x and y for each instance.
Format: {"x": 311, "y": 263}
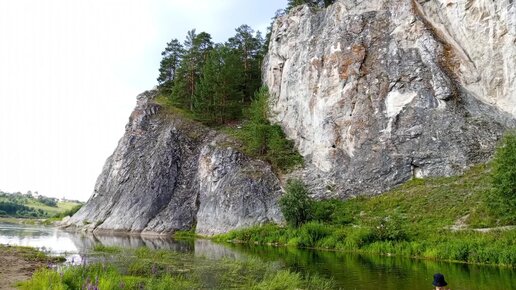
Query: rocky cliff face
{"x": 170, "y": 174}
{"x": 375, "y": 93}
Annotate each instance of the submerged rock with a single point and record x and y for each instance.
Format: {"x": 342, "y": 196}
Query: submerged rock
{"x": 375, "y": 93}
{"x": 169, "y": 173}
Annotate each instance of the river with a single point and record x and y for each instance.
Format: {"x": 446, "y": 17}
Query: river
{"x": 349, "y": 271}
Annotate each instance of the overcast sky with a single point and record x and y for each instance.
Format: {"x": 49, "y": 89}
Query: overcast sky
{"x": 70, "y": 71}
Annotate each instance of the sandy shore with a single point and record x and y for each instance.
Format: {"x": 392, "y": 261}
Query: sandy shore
{"x": 18, "y": 263}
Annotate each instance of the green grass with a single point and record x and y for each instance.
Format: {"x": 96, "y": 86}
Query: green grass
{"x": 35, "y": 205}
{"x": 61, "y": 206}
{"x": 144, "y": 268}
{"x": 106, "y": 249}
{"x": 30, "y": 254}
{"x": 413, "y": 220}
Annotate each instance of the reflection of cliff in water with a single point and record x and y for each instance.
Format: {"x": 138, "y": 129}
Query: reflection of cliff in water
{"x": 86, "y": 242}
{"x": 211, "y": 250}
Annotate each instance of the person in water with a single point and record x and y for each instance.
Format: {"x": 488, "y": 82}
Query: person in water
{"x": 439, "y": 282}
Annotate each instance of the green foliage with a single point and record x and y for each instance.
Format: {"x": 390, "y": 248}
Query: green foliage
{"x": 214, "y": 82}
{"x": 18, "y": 205}
{"x": 50, "y": 201}
{"x": 69, "y": 212}
{"x": 44, "y": 279}
{"x": 312, "y": 233}
{"x": 144, "y": 268}
{"x": 413, "y": 220}
{"x": 106, "y": 249}
{"x": 219, "y": 95}
{"x": 295, "y": 203}
{"x": 503, "y": 180}
{"x": 314, "y": 3}
{"x": 172, "y": 56}
{"x": 263, "y": 140}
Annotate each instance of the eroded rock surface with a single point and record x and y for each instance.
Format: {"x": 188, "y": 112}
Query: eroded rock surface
{"x": 375, "y": 93}
{"x": 170, "y": 174}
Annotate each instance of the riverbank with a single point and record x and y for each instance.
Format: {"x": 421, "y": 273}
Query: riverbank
{"x": 436, "y": 218}
{"x": 18, "y": 264}
{"x": 144, "y": 268}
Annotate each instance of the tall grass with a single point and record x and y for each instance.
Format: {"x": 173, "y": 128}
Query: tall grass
{"x": 144, "y": 268}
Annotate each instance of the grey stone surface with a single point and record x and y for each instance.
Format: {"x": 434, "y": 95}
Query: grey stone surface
{"x": 170, "y": 174}
{"x": 375, "y": 93}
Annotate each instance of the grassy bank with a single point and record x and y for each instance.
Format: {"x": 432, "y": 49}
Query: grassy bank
{"x": 161, "y": 269}
{"x": 432, "y": 218}
{"x": 27, "y": 206}
{"x": 19, "y": 264}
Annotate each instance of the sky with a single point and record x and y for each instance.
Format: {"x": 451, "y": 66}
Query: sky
{"x": 70, "y": 71}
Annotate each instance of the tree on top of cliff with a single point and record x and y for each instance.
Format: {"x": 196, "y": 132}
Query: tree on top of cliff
{"x": 248, "y": 45}
{"x": 214, "y": 82}
{"x": 172, "y": 56}
{"x": 197, "y": 47}
{"x": 219, "y": 90}
{"x": 315, "y": 3}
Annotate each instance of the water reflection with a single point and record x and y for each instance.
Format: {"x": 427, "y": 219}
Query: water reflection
{"x": 51, "y": 239}
{"x": 57, "y": 241}
{"x": 348, "y": 270}
{"x": 352, "y": 271}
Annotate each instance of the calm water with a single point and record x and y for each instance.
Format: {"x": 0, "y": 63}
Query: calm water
{"x": 348, "y": 270}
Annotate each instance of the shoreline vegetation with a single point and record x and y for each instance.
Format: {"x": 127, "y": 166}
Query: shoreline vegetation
{"x": 144, "y": 268}
{"x": 448, "y": 219}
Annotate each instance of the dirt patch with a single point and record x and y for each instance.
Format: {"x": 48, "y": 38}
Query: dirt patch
{"x": 18, "y": 263}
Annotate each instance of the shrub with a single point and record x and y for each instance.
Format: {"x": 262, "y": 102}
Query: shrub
{"x": 295, "y": 203}
{"x": 324, "y": 210}
{"x": 388, "y": 229}
{"x": 312, "y": 233}
{"x": 264, "y": 140}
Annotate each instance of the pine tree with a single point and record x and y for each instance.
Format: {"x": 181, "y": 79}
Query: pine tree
{"x": 218, "y": 95}
{"x": 315, "y": 3}
{"x": 248, "y": 46}
{"x": 169, "y": 65}
{"x": 197, "y": 47}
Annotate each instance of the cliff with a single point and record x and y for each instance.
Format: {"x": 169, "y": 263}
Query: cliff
{"x": 169, "y": 174}
{"x": 375, "y": 93}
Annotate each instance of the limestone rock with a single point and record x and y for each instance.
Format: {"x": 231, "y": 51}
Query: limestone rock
{"x": 170, "y": 174}
{"x": 375, "y": 93}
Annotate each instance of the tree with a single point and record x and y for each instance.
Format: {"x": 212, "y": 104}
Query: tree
{"x": 315, "y": 3}
{"x": 219, "y": 92}
{"x": 172, "y": 56}
{"x": 504, "y": 176}
{"x": 196, "y": 47}
{"x": 295, "y": 203}
{"x": 248, "y": 45}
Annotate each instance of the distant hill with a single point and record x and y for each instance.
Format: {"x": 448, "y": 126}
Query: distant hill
{"x": 28, "y": 205}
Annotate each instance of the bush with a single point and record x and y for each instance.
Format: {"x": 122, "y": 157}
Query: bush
{"x": 323, "y": 210}
{"x": 312, "y": 233}
{"x": 50, "y": 201}
{"x": 504, "y": 178}
{"x": 295, "y": 203}
{"x": 69, "y": 212}
{"x": 264, "y": 140}
{"x": 388, "y": 229}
